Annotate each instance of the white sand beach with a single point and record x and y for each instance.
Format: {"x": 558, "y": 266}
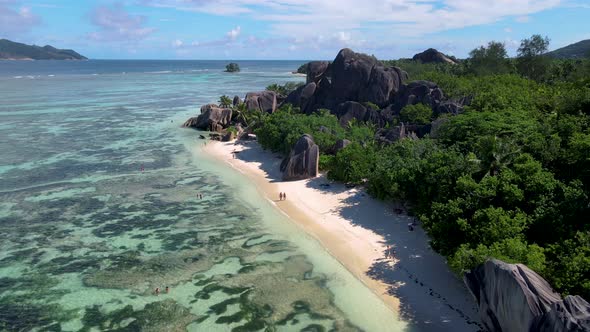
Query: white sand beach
{"x": 356, "y": 230}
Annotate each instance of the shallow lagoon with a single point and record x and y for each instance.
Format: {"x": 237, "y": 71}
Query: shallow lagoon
{"x": 86, "y": 237}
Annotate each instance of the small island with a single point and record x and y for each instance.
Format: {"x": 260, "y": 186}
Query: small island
{"x": 10, "y": 50}
{"x": 232, "y": 68}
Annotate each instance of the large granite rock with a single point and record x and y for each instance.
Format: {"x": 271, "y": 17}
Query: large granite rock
{"x": 350, "y": 110}
{"x": 424, "y": 92}
{"x": 360, "y": 77}
{"x": 433, "y": 56}
{"x": 212, "y": 118}
{"x": 339, "y": 145}
{"x": 303, "y": 160}
{"x": 513, "y": 298}
{"x": 265, "y": 101}
{"x": 317, "y": 70}
{"x": 393, "y": 134}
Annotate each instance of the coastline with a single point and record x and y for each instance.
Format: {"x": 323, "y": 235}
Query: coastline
{"x": 356, "y": 230}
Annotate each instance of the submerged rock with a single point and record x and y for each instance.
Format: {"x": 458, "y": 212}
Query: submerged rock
{"x": 513, "y": 298}
{"x": 303, "y": 161}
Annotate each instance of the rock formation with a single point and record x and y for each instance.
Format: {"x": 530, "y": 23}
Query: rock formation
{"x": 212, "y": 118}
{"x": 303, "y": 160}
{"x": 359, "y": 77}
{"x": 433, "y": 56}
{"x": 339, "y": 145}
{"x": 513, "y": 298}
{"x": 317, "y": 70}
{"x": 236, "y": 101}
{"x": 424, "y": 92}
{"x": 265, "y": 101}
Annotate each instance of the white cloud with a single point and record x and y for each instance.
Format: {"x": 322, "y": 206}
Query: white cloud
{"x": 234, "y": 33}
{"x": 522, "y": 19}
{"x": 370, "y": 25}
{"x": 15, "y": 19}
{"x": 116, "y": 24}
{"x": 398, "y": 17}
{"x": 177, "y": 43}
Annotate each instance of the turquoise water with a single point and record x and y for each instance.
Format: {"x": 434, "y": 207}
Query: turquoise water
{"x": 86, "y": 237}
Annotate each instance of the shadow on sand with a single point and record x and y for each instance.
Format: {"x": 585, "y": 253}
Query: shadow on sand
{"x": 431, "y": 297}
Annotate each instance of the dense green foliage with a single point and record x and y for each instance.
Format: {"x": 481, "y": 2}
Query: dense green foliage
{"x": 232, "y": 67}
{"x": 508, "y": 178}
{"x": 284, "y": 89}
{"x": 416, "y": 114}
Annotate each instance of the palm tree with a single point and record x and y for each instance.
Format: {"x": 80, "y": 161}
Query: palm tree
{"x": 225, "y": 101}
{"x": 495, "y": 154}
{"x": 241, "y": 111}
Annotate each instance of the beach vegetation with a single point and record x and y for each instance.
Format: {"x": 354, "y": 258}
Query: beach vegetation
{"x": 284, "y": 89}
{"x": 507, "y": 178}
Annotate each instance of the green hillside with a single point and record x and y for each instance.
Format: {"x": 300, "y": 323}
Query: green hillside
{"x": 577, "y": 50}
{"x": 19, "y": 51}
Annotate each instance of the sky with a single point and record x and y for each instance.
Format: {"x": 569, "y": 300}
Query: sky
{"x": 287, "y": 29}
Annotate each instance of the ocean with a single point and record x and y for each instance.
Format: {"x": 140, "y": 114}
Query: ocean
{"x": 100, "y": 205}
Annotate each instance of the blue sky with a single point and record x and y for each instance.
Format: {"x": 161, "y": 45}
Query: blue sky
{"x": 287, "y": 29}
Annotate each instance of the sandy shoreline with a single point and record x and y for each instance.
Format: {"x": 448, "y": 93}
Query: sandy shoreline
{"x": 356, "y": 230}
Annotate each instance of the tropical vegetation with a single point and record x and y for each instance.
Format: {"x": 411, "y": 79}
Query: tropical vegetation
{"x": 509, "y": 177}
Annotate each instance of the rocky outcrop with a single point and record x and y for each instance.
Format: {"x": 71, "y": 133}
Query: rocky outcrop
{"x": 349, "y": 111}
{"x": 391, "y": 135}
{"x": 339, "y": 145}
{"x": 360, "y": 77}
{"x": 513, "y": 298}
{"x": 317, "y": 70}
{"x": 351, "y": 77}
{"x": 424, "y": 92}
{"x": 433, "y": 56}
{"x": 212, "y": 118}
{"x": 265, "y": 101}
{"x": 236, "y": 101}
{"x": 303, "y": 160}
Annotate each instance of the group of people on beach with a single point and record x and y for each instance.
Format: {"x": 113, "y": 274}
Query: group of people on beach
{"x": 157, "y": 291}
{"x": 282, "y": 196}
{"x": 390, "y": 252}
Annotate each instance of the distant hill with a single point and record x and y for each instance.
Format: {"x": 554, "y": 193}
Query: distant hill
{"x": 18, "y": 51}
{"x": 577, "y": 50}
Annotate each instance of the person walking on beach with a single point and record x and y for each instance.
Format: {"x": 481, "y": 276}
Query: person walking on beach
{"x": 284, "y": 196}
{"x": 281, "y": 196}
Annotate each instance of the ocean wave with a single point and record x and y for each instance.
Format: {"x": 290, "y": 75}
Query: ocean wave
{"x": 158, "y": 72}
